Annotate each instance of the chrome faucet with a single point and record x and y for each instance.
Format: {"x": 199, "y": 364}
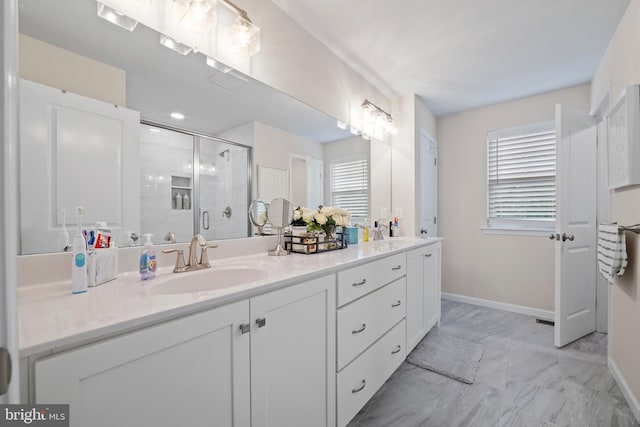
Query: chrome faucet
{"x": 377, "y": 235}
{"x": 192, "y": 264}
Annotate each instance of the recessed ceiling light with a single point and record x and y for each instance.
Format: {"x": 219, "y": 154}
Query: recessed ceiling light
{"x": 177, "y": 116}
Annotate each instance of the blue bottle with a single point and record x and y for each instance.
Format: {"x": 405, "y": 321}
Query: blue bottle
{"x": 148, "y": 260}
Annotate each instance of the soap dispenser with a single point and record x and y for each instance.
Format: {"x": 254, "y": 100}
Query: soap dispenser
{"x": 148, "y": 259}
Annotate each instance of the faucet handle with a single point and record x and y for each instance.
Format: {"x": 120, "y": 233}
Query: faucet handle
{"x": 180, "y": 267}
{"x": 204, "y": 258}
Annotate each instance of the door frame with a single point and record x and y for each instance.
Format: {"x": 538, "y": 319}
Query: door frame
{"x": 9, "y": 225}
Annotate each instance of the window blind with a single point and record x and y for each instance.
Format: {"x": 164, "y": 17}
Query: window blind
{"x": 350, "y": 186}
{"x": 521, "y": 180}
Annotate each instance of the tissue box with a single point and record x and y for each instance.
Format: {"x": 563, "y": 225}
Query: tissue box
{"x": 102, "y": 266}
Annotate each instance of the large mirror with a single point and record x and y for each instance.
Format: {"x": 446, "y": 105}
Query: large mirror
{"x": 230, "y": 121}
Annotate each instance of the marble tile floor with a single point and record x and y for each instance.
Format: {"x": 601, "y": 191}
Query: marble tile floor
{"x": 523, "y": 380}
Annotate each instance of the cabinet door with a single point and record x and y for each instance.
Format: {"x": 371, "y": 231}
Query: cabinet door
{"x": 415, "y": 297}
{"x": 293, "y": 356}
{"x": 432, "y": 286}
{"x": 189, "y": 372}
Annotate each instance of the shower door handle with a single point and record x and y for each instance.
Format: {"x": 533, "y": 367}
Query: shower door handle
{"x": 205, "y": 220}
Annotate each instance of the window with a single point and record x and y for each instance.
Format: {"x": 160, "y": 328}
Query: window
{"x": 350, "y": 186}
{"x": 521, "y": 178}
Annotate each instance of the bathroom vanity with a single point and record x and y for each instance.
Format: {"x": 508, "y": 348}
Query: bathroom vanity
{"x": 255, "y": 340}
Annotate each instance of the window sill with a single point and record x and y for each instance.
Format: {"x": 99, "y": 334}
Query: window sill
{"x": 534, "y": 232}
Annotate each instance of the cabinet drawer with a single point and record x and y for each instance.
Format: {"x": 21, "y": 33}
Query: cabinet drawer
{"x": 358, "y": 281}
{"x": 360, "y": 380}
{"x": 364, "y": 321}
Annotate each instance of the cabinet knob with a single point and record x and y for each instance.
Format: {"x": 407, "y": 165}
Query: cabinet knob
{"x": 356, "y": 390}
{"x": 357, "y": 331}
{"x": 261, "y": 322}
{"x": 397, "y": 350}
{"x": 397, "y": 304}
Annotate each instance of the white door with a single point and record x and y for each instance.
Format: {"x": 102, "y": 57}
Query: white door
{"x": 576, "y": 186}
{"x": 293, "y": 356}
{"x": 428, "y": 187}
{"x": 9, "y": 390}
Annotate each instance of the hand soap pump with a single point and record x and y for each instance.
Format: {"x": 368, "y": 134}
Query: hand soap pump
{"x": 79, "y": 260}
{"x": 148, "y": 259}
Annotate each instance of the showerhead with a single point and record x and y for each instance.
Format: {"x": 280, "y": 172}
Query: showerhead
{"x": 225, "y": 154}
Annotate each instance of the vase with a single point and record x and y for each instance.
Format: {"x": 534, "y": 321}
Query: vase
{"x": 329, "y": 231}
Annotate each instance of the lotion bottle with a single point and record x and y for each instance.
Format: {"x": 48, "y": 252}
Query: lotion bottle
{"x": 79, "y": 260}
{"x": 186, "y": 203}
{"x": 148, "y": 259}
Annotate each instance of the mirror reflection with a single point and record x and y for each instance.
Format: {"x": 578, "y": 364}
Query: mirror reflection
{"x": 65, "y": 45}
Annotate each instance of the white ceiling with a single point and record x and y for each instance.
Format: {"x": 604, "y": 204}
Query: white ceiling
{"x": 461, "y": 54}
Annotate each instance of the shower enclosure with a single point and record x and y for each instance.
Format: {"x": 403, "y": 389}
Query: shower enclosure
{"x": 193, "y": 184}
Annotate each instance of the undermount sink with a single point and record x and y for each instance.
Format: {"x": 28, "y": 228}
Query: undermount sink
{"x": 208, "y": 280}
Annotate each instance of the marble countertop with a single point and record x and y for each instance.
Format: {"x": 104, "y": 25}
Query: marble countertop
{"x": 51, "y": 318}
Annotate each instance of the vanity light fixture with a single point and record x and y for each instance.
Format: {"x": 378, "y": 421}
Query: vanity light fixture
{"x": 218, "y": 65}
{"x": 116, "y": 17}
{"x": 177, "y": 116}
{"x": 376, "y": 122}
{"x": 188, "y": 25}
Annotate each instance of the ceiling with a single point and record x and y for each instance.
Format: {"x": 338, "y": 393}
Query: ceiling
{"x": 461, "y": 54}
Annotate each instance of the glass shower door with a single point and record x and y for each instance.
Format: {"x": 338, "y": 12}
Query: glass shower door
{"x": 223, "y": 189}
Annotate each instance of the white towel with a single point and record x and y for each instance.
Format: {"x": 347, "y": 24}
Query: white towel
{"x": 612, "y": 251}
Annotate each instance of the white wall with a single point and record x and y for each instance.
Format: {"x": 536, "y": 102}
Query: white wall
{"x": 510, "y": 269}
{"x": 620, "y": 67}
{"x": 413, "y": 116}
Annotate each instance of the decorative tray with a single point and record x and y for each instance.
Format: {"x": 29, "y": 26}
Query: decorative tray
{"x": 314, "y": 244}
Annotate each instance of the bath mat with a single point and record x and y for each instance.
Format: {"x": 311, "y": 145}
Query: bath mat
{"x": 449, "y": 356}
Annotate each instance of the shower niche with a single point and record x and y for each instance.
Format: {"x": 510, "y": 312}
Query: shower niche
{"x": 191, "y": 184}
{"x": 181, "y": 194}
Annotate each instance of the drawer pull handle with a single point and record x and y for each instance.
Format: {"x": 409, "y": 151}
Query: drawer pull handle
{"x": 396, "y": 304}
{"x": 359, "y": 389}
{"x": 397, "y": 350}
{"x": 261, "y": 322}
{"x": 428, "y": 255}
{"x": 362, "y": 282}
{"x": 364, "y": 326}
{"x": 396, "y": 268}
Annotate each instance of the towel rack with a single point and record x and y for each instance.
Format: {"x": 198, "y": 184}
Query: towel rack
{"x": 634, "y": 228}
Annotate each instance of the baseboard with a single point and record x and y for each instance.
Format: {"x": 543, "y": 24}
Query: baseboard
{"x": 632, "y": 400}
{"x": 530, "y": 311}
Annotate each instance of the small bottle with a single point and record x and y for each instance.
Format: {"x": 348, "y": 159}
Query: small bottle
{"x": 365, "y": 234}
{"x": 148, "y": 259}
{"x": 186, "y": 203}
{"x": 179, "y": 201}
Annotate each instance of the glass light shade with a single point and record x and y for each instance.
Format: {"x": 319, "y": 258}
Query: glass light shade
{"x": 120, "y": 19}
{"x": 174, "y": 45}
{"x": 243, "y": 37}
{"x": 199, "y": 17}
{"x": 218, "y": 65}
{"x": 342, "y": 125}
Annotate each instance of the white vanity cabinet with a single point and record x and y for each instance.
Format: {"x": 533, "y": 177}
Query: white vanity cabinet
{"x": 191, "y": 371}
{"x": 423, "y": 292}
{"x": 371, "y": 333}
{"x": 202, "y": 370}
